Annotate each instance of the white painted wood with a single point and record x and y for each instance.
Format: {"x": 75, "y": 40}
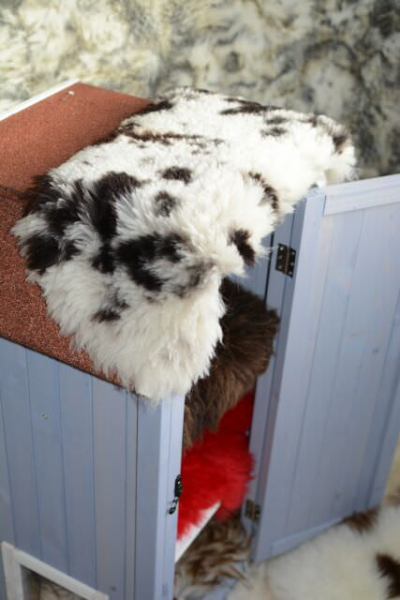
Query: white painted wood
{"x": 12, "y": 573}
{"x": 14, "y": 559}
{"x": 37, "y": 98}
{"x": 185, "y": 541}
{"x": 359, "y": 195}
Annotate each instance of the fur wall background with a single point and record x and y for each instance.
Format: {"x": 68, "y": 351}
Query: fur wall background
{"x": 340, "y": 57}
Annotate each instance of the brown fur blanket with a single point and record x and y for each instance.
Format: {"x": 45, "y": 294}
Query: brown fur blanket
{"x": 249, "y": 329}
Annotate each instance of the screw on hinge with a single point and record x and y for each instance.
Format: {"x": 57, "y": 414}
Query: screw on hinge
{"x": 177, "y": 491}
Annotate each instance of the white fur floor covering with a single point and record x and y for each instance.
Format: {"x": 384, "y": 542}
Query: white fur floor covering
{"x": 340, "y": 564}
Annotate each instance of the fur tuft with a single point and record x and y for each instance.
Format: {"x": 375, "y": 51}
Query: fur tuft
{"x": 211, "y": 558}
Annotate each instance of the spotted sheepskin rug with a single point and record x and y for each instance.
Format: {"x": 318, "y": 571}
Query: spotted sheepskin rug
{"x": 130, "y": 238}
{"x": 357, "y": 560}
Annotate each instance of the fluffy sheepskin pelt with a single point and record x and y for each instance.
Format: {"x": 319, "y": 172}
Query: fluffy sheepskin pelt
{"x": 243, "y": 354}
{"x": 130, "y": 238}
{"x": 213, "y": 556}
{"x": 357, "y": 560}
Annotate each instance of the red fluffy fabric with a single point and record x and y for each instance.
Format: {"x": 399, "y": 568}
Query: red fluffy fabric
{"x": 218, "y": 468}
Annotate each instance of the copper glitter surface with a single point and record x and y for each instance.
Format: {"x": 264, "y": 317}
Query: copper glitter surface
{"x": 33, "y": 141}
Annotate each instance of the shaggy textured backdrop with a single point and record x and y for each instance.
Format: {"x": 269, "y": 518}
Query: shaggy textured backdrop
{"x": 338, "y": 57}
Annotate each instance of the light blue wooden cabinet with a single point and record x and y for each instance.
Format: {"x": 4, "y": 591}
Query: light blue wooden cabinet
{"x": 87, "y": 471}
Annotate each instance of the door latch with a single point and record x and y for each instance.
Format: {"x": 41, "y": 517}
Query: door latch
{"x": 178, "y": 492}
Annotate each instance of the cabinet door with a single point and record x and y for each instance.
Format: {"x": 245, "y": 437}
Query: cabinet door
{"x": 327, "y": 412}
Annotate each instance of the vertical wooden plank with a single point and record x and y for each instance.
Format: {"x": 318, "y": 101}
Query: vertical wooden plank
{"x": 19, "y": 447}
{"x": 365, "y": 341}
{"x": 274, "y": 299}
{"x": 109, "y": 424}
{"x": 130, "y": 502}
{"x": 48, "y": 452}
{"x": 385, "y": 425}
{"x": 256, "y": 280}
{"x": 174, "y": 469}
{"x": 6, "y": 515}
{"x": 151, "y": 501}
{"x": 77, "y": 441}
{"x": 153, "y": 530}
{"x": 389, "y": 442}
{"x": 295, "y": 346}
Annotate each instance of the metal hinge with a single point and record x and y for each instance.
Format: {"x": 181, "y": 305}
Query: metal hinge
{"x": 252, "y": 511}
{"x": 285, "y": 260}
